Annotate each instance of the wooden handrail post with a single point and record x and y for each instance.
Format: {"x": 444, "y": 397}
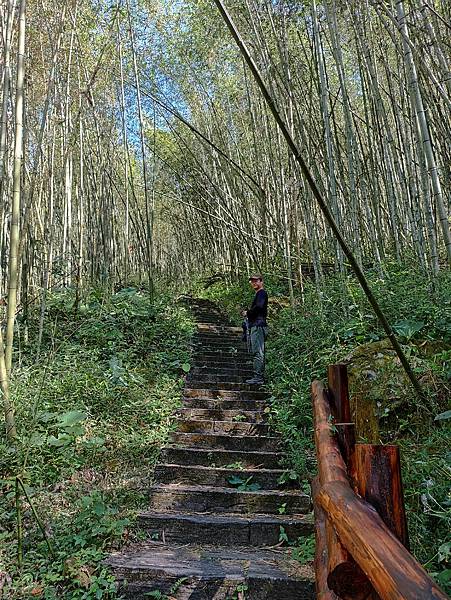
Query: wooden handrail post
{"x": 345, "y": 577}
{"x": 346, "y": 441}
{"x": 337, "y": 382}
{"x": 376, "y": 473}
{"x": 338, "y": 394}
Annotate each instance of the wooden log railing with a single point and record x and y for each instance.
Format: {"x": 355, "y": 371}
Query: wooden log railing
{"x": 360, "y": 521}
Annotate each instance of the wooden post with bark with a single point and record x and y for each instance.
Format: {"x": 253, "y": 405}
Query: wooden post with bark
{"x": 376, "y": 472}
{"x": 338, "y": 394}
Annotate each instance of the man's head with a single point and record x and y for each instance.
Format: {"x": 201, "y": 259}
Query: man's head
{"x": 256, "y": 281}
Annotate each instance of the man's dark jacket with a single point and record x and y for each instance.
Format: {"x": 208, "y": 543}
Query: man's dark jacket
{"x": 259, "y": 309}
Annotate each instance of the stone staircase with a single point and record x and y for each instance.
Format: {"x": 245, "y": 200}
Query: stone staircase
{"x": 211, "y": 537}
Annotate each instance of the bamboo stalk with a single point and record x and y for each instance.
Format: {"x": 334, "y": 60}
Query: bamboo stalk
{"x": 13, "y": 270}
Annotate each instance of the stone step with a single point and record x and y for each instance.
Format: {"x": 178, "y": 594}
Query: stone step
{"x": 210, "y": 348}
{"x": 224, "y": 336}
{"x": 219, "y": 369}
{"x": 221, "y": 458}
{"x": 218, "y": 339}
{"x": 224, "y": 403}
{"x": 211, "y": 499}
{"x": 215, "y": 329}
{"x": 209, "y": 323}
{"x": 226, "y": 386}
{"x": 218, "y": 349}
{"x": 244, "y": 416}
{"x": 223, "y": 427}
{"x": 207, "y": 309}
{"x": 211, "y": 316}
{"x": 207, "y": 573}
{"x": 205, "y": 324}
{"x": 217, "y": 378}
{"x": 235, "y": 347}
{"x": 226, "y": 442}
{"x": 232, "y": 360}
{"x": 215, "y": 346}
{"x": 230, "y": 350}
{"x": 267, "y": 479}
{"x": 232, "y": 530}
{"x": 197, "y": 391}
{"x": 221, "y": 362}
{"x": 228, "y": 329}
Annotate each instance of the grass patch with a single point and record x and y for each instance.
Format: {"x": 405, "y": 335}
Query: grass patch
{"x": 92, "y": 415}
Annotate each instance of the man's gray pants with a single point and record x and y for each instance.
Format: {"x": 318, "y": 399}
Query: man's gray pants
{"x": 257, "y": 337}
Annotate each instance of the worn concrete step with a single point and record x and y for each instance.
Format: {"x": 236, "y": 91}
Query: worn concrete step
{"x": 220, "y": 355}
{"x": 226, "y": 442}
{"x": 245, "y": 416}
{"x": 211, "y": 324}
{"x": 215, "y": 351}
{"x": 223, "y": 427}
{"x": 237, "y": 346}
{"x": 237, "y": 366}
{"x": 193, "y": 391}
{"x": 211, "y": 346}
{"x": 209, "y": 308}
{"x": 211, "y": 499}
{"x": 220, "y": 351}
{"x": 218, "y": 378}
{"x": 218, "y": 328}
{"x": 215, "y": 345}
{"x": 218, "y": 338}
{"x": 221, "y": 458}
{"x": 224, "y": 362}
{"x": 229, "y": 337}
{"x": 207, "y": 573}
{"x": 223, "y": 359}
{"x": 224, "y": 403}
{"x": 224, "y": 385}
{"x": 232, "y": 530}
{"x": 267, "y": 479}
{"x": 211, "y": 317}
{"x": 220, "y": 369}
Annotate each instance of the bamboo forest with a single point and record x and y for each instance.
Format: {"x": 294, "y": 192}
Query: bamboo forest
{"x": 225, "y": 319}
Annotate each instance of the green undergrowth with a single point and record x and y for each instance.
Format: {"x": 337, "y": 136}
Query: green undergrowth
{"x": 337, "y": 324}
{"x": 92, "y": 413}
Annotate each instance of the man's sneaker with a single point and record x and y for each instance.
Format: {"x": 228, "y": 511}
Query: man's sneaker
{"x": 255, "y": 380}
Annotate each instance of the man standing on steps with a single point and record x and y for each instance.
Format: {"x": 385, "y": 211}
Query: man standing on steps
{"x": 258, "y": 328}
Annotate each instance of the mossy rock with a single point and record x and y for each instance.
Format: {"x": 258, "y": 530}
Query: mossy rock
{"x": 379, "y": 387}
{"x": 430, "y": 348}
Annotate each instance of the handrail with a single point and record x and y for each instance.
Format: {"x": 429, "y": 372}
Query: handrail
{"x": 357, "y": 555}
